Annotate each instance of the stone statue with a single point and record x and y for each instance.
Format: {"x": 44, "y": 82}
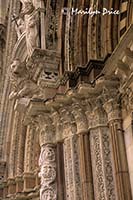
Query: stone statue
{"x": 20, "y": 27}
{"x": 23, "y": 86}
{"x": 31, "y": 19}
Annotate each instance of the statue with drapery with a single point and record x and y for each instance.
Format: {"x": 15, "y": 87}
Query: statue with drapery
{"x": 31, "y": 19}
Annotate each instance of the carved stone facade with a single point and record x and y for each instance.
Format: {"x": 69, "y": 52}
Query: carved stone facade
{"x": 66, "y": 103}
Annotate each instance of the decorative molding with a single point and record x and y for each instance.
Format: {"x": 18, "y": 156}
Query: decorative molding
{"x": 82, "y": 72}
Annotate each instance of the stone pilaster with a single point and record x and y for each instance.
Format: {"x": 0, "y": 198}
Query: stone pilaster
{"x": 113, "y": 110}
{"x": 84, "y": 152}
{"x": 71, "y": 156}
{"x": 104, "y": 187}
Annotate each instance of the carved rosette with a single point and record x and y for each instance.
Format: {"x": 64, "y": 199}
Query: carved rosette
{"x": 47, "y": 163}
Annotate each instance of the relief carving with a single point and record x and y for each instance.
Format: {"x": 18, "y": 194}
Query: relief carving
{"x": 127, "y": 101}
{"x": 47, "y": 163}
{"x": 72, "y": 172}
{"x": 20, "y": 27}
{"x": 23, "y": 86}
{"x": 48, "y": 194}
{"x": 80, "y": 118}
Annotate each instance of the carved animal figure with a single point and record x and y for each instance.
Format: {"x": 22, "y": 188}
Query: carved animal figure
{"x": 23, "y": 86}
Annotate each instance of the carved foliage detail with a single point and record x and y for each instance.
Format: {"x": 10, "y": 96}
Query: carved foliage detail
{"x": 102, "y": 166}
{"x": 47, "y": 163}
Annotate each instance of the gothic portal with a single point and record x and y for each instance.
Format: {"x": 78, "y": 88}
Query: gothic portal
{"x": 66, "y": 100}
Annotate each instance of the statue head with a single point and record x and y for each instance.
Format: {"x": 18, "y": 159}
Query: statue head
{"x": 18, "y": 68}
{"x": 27, "y": 8}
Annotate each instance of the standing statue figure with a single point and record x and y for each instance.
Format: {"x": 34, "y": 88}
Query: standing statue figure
{"x": 31, "y": 19}
{"x": 20, "y": 27}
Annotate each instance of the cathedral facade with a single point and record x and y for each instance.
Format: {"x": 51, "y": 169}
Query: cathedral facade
{"x": 66, "y": 100}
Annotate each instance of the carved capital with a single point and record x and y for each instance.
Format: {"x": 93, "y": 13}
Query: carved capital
{"x": 46, "y": 129}
{"x": 113, "y": 109}
{"x": 58, "y": 123}
{"x": 68, "y": 121}
{"x": 96, "y": 115}
{"x": 80, "y": 118}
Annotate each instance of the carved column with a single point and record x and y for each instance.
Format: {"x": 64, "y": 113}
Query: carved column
{"x": 2, "y": 45}
{"x": 60, "y": 157}
{"x": 71, "y": 157}
{"x": 104, "y": 187}
{"x": 20, "y": 159}
{"x": 47, "y": 160}
{"x": 84, "y": 152}
{"x": 113, "y": 110}
{"x": 29, "y": 178}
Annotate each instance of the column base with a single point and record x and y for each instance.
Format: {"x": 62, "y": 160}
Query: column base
{"x": 29, "y": 182}
{"x": 11, "y": 186}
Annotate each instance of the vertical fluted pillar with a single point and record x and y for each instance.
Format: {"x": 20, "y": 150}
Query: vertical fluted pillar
{"x": 118, "y": 146}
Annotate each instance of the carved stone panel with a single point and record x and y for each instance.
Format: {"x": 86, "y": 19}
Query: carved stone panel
{"x": 47, "y": 163}
{"x": 104, "y": 188}
{"x": 71, "y": 162}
